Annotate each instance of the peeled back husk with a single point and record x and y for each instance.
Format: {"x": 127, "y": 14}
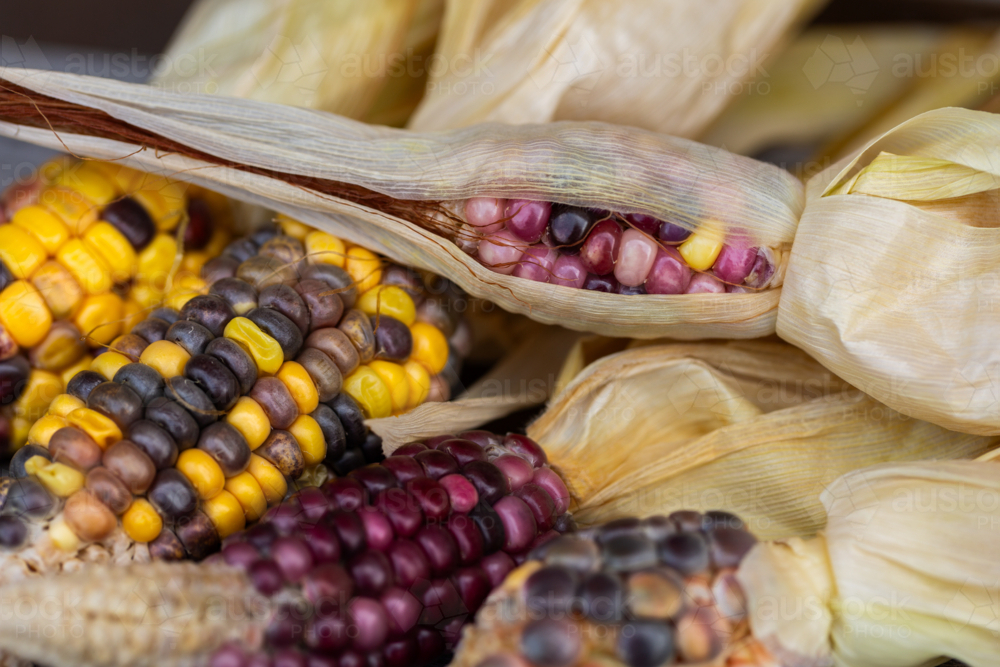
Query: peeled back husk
{"x": 755, "y": 428}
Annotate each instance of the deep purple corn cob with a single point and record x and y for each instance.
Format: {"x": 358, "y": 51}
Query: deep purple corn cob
{"x": 393, "y": 559}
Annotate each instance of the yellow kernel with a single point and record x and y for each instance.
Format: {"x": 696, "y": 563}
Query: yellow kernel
{"x": 700, "y": 250}
{"x": 265, "y": 350}
{"x": 59, "y": 478}
{"x": 42, "y": 430}
{"x": 225, "y": 512}
{"x": 251, "y": 421}
{"x": 193, "y": 261}
{"x": 89, "y": 182}
{"x": 102, "y": 429}
{"x": 23, "y": 313}
{"x": 19, "y": 429}
{"x": 51, "y": 169}
{"x": 109, "y": 363}
{"x": 82, "y": 365}
{"x": 420, "y": 383}
{"x": 300, "y": 385}
{"x": 164, "y": 201}
{"x": 41, "y": 389}
{"x": 63, "y": 404}
{"x": 86, "y": 266}
{"x": 132, "y": 313}
{"x": 367, "y": 388}
{"x": 156, "y": 260}
{"x": 146, "y": 295}
{"x": 21, "y": 252}
{"x": 310, "y": 438}
{"x": 249, "y": 494}
{"x": 62, "y": 294}
{"x": 185, "y": 288}
{"x": 389, "y": 300}
{"x": 166, "y": 358}
{"x": 430, "y": 347}
{"x": 100, "y": 318}
{"x": 323, "y": 248}
{"x": 141, "y": 521}
{"x": 272, "y": 482}
{"x": 63, "y": 537}
{"x": 78, "y": 212}
{"x": 293, "y": 228}
{"x": 202, "y": 471}
{"x": 116, "y": 250}
{"x": 365, "y": 267}
{"x": 124, "y": 178}
{"x": 396, "y": 380}
{"x": 47, "y": 228}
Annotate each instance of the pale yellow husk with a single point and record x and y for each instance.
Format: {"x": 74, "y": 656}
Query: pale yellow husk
{"x": 664, "y": 65}
{"x": 365, "y": 60}
{"x": 756, "y": 428}
{"x": 904, "y": 574}
{"x": 894, "y": 278}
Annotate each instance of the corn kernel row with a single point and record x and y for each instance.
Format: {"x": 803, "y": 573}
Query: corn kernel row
{"x": 282, "y": 346}
{"x": 592, "y": 249}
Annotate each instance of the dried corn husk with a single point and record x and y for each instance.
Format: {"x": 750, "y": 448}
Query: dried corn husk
{"x": 894, "y": 281}
{"x": 904, "y": 573}
{"x": 669, "y": 66}
{"x": 365, "y": 60}
{"x": 756, "y": 428}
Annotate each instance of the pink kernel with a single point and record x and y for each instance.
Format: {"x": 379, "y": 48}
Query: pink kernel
{"x": 536, "y": 263}
{"x": 670, "y": 273}
{"x": 527, "y": 219}
{"x": 461, "y": 493}
{"x": 569, "y": 271}
{"x": 485, "y": 213}
{"x": 517, "y": 471}
{"x": 704, "y": 283}
{"x": 734, "y": 263}
{"x": 501, "y": 251}
{"x": 552, "y": 482}
{"x": 635, "y": 258}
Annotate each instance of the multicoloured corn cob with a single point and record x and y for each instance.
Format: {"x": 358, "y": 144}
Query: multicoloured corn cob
{"x": 86, "y": 248}
{"x": 197, "y": 421}
{"x": 638, "y": 593}
{"x": 607, "y": 252}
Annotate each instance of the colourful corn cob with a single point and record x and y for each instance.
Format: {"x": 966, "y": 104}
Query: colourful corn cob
{"x": 607, "y": 252}
{"x": 85, "y": 249}
{"x": 197, "y": 421}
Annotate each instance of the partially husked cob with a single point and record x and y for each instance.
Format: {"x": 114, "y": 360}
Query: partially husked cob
{"x": 86, "y": 248}
{"x": 608, "y": 252}
{"x": 193, "y": 424}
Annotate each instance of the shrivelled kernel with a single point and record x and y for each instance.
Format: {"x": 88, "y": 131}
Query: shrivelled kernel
{"x": 366, "y": 387}
{"x": 202, "y": 471}
{"x": 42, "y": 430}
{"x": 88, "y": 517}
{"x": 251, "y": 421}
{"x": 87, "y": 266}
{"x": 45, "y": 226}
{"x": 62, "y": 347}
{"x": 198, "y": 535}
{"x": 225, "y": 512}
{"x": 430, "y": 347}
{"x": 166, "y": 358}
{"x": 266, "y": 351}
{"x": 335, "y": 344}
{"x": 109, "y": 363}
{"x": 130, "y": 345}
{"x": 323, "y": 248}
{"x": 141, "y": 522}
{"x": 100, "y": 428}
{"x": 309, "y": 436}
{"x": 300, "y": 386}
{"x": 358, "y": 329}
{"x": 20, "y": 251}
{"x": 388, "y": 300}
{"x": 272, "y": 482}
{"x": 700, "y": 250}
{"x": 364, "y": 267}
{"x": 396, "y": 380}
{"x": 57, "y": 286}
{"x": 283, "y": 452}
{"x": 23, "y": 313}
{"x": 99, "y": 318}
{"x": 420, "y": 383}
{"x": 277, "y": 402}
{"x": 249, "y": 494}
{"x": 112, "y": 246}
{"x": 60, "y": 479}
{"x": 324, "y": 373}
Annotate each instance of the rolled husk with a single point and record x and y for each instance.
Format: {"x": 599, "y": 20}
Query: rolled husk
{"x": 664, "y": 65}
{"x": 894, "y": 282}
{"x": 904, "y": 574}
{"x": 356, "y": 59}
{"x": 339, "y": 171}
{"x": 756, "y": 428}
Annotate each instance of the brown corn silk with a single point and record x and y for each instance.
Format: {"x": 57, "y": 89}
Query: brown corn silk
{"x": 664, "y": 65}
{"x": 756, "y": 428}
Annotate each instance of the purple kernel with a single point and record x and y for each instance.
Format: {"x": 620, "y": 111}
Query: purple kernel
{"x": 473, "y": 586}
{"x": 371, "y": 623}
{"x": 409, "y": 564}
{"x": 625, "y": 290}
{"x": 261, "y": 536}
{"x": 292, "y": 556}
{"x": 526, "y": 448}
{"x": 461, "y": 493}
{"x": 536, "y": 264}
{"x": 410, "y": 449}
{"x": 669, "y": 275}
{"x": 314, "y": 503}
{"x": 703, "y": 283}
{"x": 484, "y": 439}
{"x": 284, "y": 630}
{"x": 228, "y": 655}
{"x": 467, "y": 537}
{"x": 322, "y": 542}
{"x": 464, "y": 451}
{"x": 290, "y": 657}
{"x": 644, "y": 223}
{"x": 287, "y": 517}
{"x": 430, "y": 644}
{"x": 437, "y": 464}
{"x": 350, "y": 530}
{"x": 266, "y": 577}
{"x": 569, "y": 271}
{"x": 600, "y": 251}
{"x": 497, "y": 566}
{"x": 434, "y": 441}
{"x": 327, "y": 633}
{"x": 378, "y": 531}
{"x": 671, "y": 233}
{"x": 402, "y": 510}
{"x": 240, "y": 554}
{"x": 548, "y": 479}
{"x": 374, "y": 478}
{"x": 328, "y": 583}
{"x": 607, "y": 284}
{"x": 400, "y": 652}
{"x": 440, "y": 548}
{"x": 371, "y": 572}
{"x": 734, "y": 263}
{"x": 491, "y": 484}
{"x": 541, "y": 504}
{"x": 346, "y": 493}
{"x": 432, "y": 497}
{"x": 763, "y": 269}
{"x": 403, "y": 468}
{"x": 518, "y": 523}
{"x": 517, "y": 471}
{"x": 527, "y": 219}
{"x": 402, "y": 610}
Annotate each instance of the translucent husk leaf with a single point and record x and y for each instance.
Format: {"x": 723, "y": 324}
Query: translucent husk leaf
{"x": 751, "y": 427}
{"x": 899, "y": 293}
{"x": 591, "y": 164}
{"x": 357, "y": 59}
{"x": 904, "y": 574}
{"x": 664, "y": 65}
